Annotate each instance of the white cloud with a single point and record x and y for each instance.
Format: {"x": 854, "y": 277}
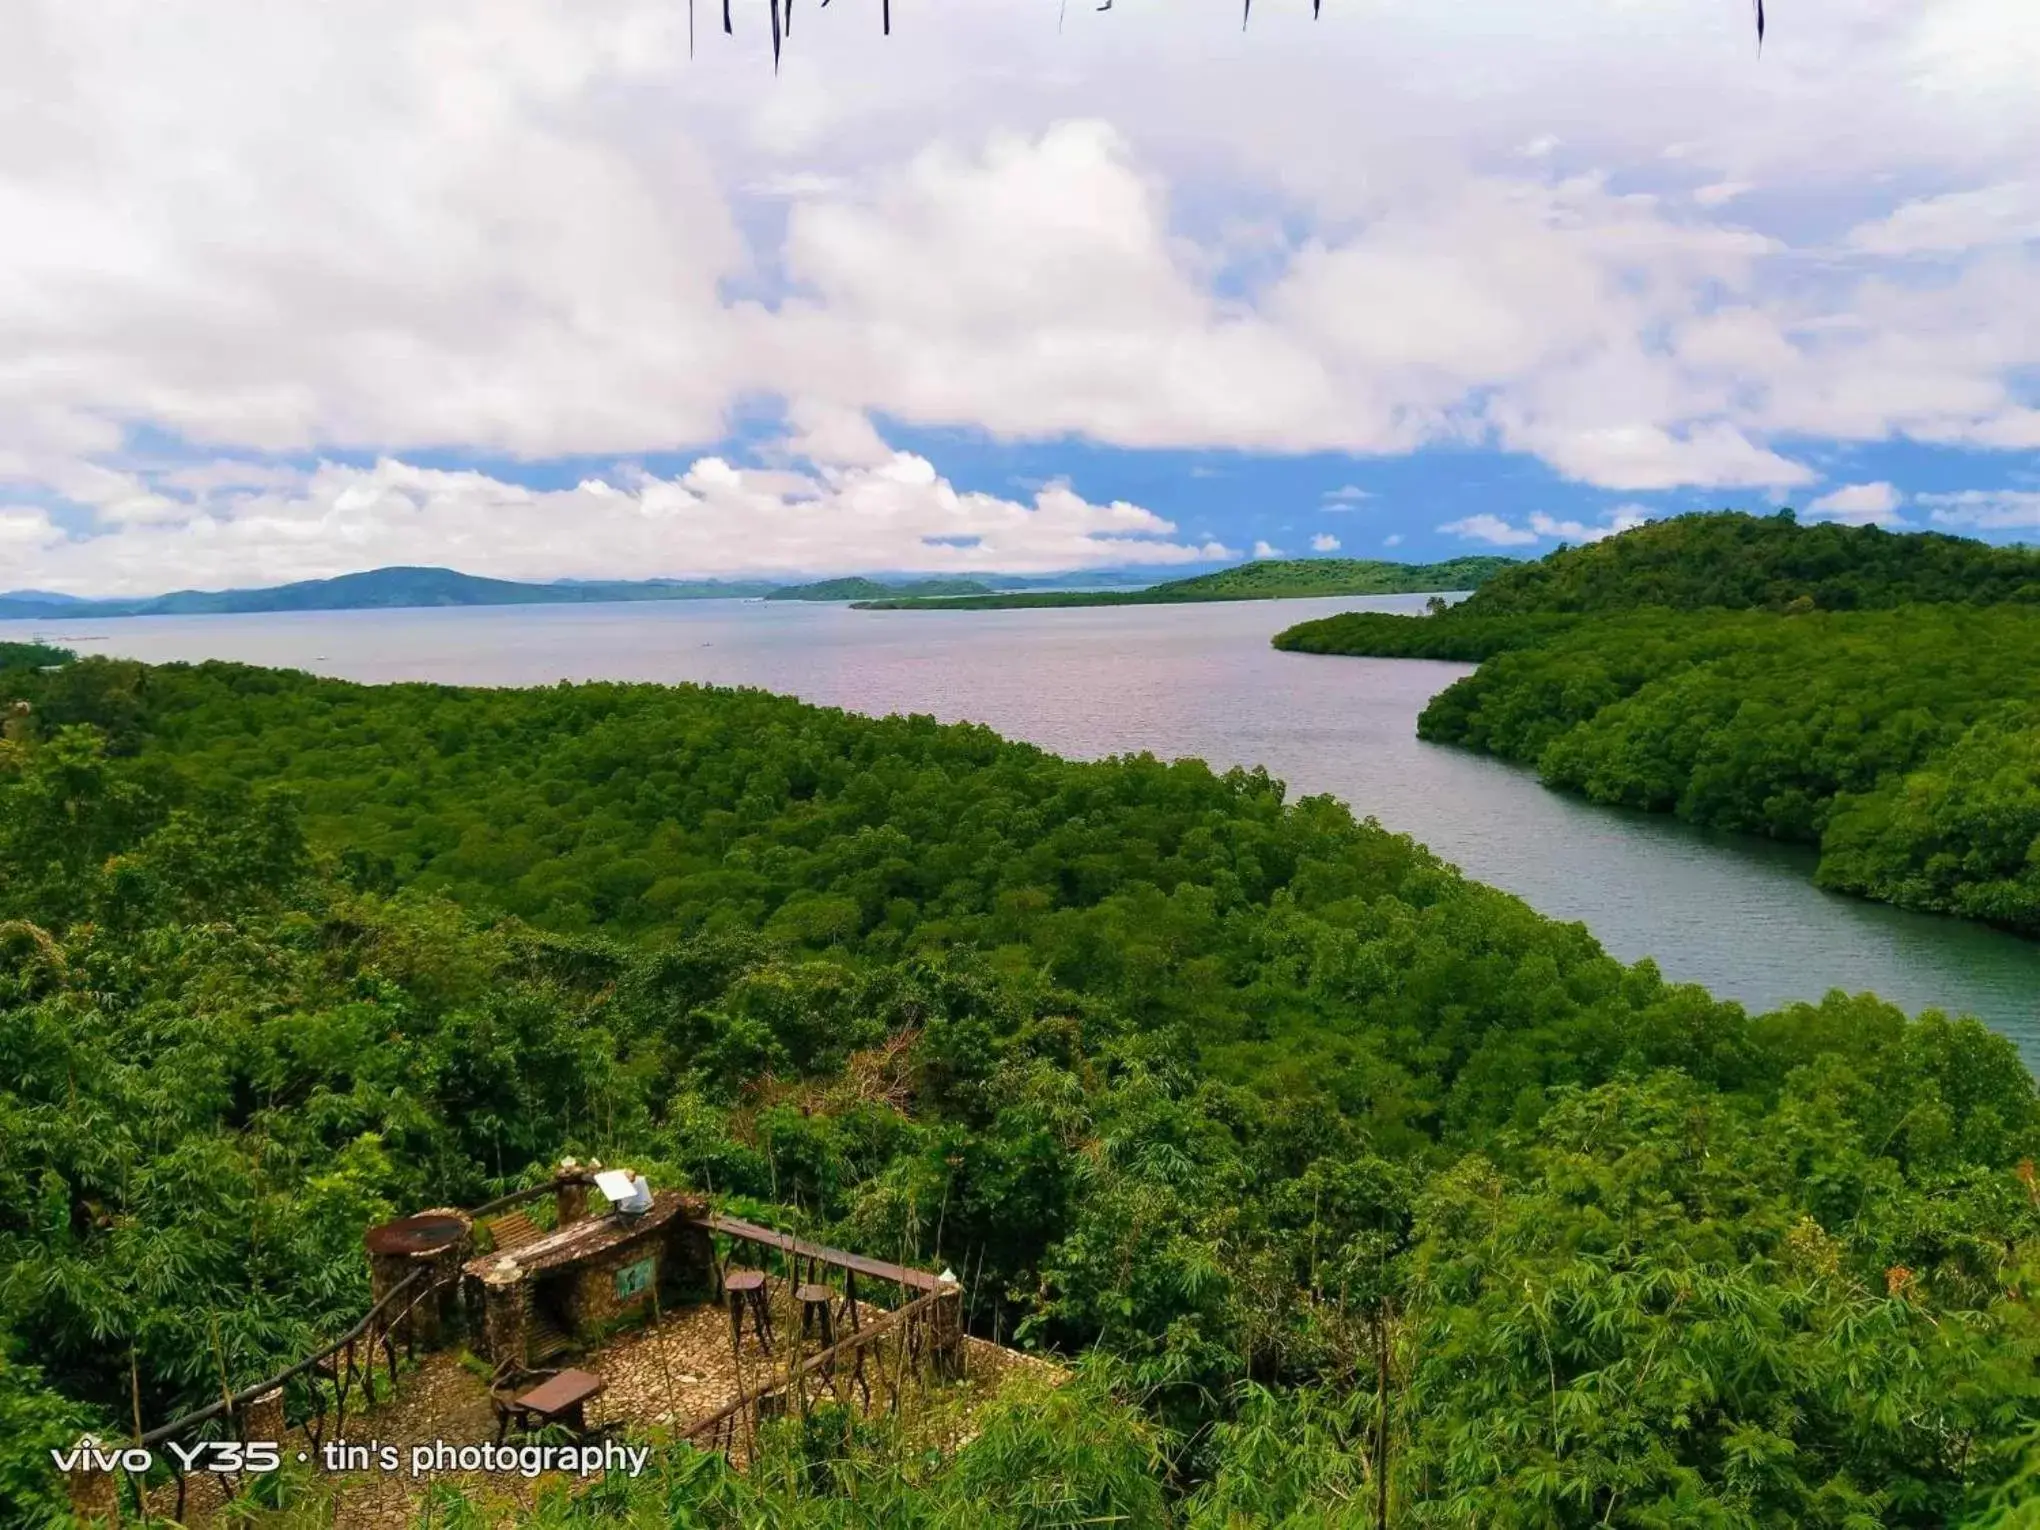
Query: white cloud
{"x": 1862, "y": 503}
{"x": 1649, "y": 457}
{"x": 831, "y": 436}
{"x": 1264, "y": 550}
{"x": 461, "y": 255}
{"x": 1624, "y": 518}
{"x": 714, "y": 518}
{"x": 1035, "y": 289}
{"x": 1721, "y": 193}
{"x": 1345, "y": 497}
{"x": 23, "y": 530}
{"x": 1497, "y": 532}
{"x": 1491, "y": 529}
{"x": 1954, "y": 222}
{"x": 1986, "y": 509}
{"x": 1324, "y": 542}
{"x": 529, "y": 228}
{"x": 1393, "y": 539}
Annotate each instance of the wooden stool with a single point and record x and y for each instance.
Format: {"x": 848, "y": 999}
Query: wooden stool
{"x": 817, "y": 1305}
{"x": 746, "y": 1289}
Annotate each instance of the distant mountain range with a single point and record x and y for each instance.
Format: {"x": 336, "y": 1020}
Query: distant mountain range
{"x": 392, "y": 588}
{"x": 377, "y": 589}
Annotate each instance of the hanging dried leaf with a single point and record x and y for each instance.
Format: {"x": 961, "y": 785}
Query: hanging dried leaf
{"x": 782, "y": 26}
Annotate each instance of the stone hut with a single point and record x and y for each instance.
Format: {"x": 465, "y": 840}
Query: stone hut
{"x": 569, "y": 1288}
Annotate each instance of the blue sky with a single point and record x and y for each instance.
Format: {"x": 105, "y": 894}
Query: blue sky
{"x": 521, "y": 288}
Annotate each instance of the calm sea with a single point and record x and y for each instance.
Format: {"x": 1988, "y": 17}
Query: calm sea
{"x": 1739, "y": 916}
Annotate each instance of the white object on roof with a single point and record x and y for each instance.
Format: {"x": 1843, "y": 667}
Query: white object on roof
{"x": 626, "y": 1191}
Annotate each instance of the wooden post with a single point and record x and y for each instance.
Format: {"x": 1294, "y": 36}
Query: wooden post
{"x": 570, "y": 1194}
{"x": 264, "y": 1418}
{"x": 946, "y": 1331}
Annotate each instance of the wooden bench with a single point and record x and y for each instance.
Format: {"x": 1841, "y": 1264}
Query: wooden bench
{"x": 512, "y": 1230}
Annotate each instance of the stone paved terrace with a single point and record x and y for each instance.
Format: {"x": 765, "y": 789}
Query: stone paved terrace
{"x": 658, "y": 1378}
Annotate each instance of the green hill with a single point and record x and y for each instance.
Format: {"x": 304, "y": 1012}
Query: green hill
{"x": 1719, "y": 560}
{"x": 872, "y": 589}
{"x": 1869, "y": 693}
{"x": 1748, "y": 562}
{"x": 1264, "y": 579}
{"x": 1345, "y": 1170}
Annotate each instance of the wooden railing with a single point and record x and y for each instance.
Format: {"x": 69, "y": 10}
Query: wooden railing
{"x": 528, "y": 1193}
{"x": 735, "y": 1423}
{"x": 792, "y": 1248}
{"x": 348, "y": 1363}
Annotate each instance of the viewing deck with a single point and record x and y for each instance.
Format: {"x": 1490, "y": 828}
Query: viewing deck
{"x": 576, "y": 1325}
{"x": 661, "y": 1383}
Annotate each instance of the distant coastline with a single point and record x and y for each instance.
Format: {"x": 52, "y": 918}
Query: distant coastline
{"x": 376, "y": 589}
{"x": 411, "y": 588}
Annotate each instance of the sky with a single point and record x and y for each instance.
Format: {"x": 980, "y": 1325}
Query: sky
{"x": 546, "y": 288}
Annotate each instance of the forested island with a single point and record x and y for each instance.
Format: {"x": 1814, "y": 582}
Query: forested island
{"x": 1360, "y": 1191}
{"x": 1871, "y": 693}
{"x": 1264, "y": 579}
{"x": 873, "y": 589}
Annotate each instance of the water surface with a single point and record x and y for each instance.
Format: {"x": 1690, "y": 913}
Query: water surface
{"x": 1740, "y": 916}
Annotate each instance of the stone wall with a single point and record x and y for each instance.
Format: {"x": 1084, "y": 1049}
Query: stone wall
{"x": 594, "y": 1303}
{"x": 506, "y": 1319}
{"x": 615, "y": 1288}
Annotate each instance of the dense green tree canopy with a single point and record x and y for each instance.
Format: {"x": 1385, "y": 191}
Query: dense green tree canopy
{"x": 1869, "y": 693}
{"x": 1262, "y": 579}
{"x": 1338, "y": 1163}
{"x": 1746, "y": 562}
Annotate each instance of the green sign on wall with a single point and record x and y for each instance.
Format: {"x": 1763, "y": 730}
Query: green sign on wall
{"x": 635, "y": 1279}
